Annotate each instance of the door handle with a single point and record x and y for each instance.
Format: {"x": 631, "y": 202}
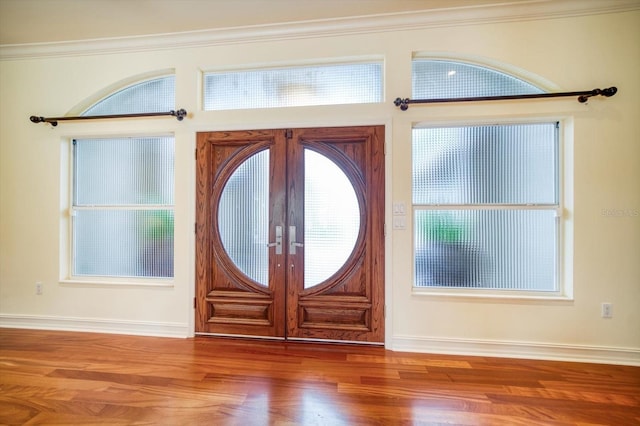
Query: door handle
{"x": 292, "y": 240}
{"x": 278, "y": 242}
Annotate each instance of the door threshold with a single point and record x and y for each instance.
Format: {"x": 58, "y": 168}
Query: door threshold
{"x": 289, "y": 339}
{"x": 339, "y": 342}
{"x": 241, "y": 336}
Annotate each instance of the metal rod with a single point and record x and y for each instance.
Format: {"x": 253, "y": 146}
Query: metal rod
{"x": 179, "y": 114}
{"x": 583, "y": 96}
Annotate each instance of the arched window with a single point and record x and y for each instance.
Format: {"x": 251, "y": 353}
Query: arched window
{"x": 434, "y": 79}
{"x": 123, "y": 192}
{"x": 485, "y": 197}
{"x": 156, "y": 95}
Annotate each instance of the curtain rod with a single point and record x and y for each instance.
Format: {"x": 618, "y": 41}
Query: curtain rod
{"x": 179, "y": 114}
{"x": 583, "y": 96}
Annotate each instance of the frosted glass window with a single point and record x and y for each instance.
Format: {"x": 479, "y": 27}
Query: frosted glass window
{"x": 123, "y": 195}
{"x": 496, "y": 249}
{"x": 157, "y": 95}
{"x": 502, "y": 164}
{"x": 296, "y": 86}
{"x": 243, "y": 217}
{"x": 485, "y": 202}
{"x": 123, "y": 242}
{"x": 124, "y": 171}
{"x": 331, "y": 218}
{"x": 436, "y": 79}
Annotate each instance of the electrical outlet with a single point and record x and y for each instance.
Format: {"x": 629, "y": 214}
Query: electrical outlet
{"x": 39, "y": 288}
{"x": 607, "y": 310}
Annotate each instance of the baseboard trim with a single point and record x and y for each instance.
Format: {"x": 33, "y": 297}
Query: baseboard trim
{"x": 514, "y": 349}
{"x": 467, "y": 347}
{"x": 138, "y": 328}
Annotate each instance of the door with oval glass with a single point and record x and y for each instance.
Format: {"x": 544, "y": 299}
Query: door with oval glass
{"x": 290, "y": 233}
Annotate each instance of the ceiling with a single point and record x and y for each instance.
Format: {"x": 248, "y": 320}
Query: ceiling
{"x": 48, "y": 21}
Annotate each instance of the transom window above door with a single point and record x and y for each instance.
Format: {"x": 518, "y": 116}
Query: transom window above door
{"x": 328, "y": 84}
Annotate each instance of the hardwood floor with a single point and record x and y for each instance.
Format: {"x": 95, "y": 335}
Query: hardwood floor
{"x": 49, "y": 377}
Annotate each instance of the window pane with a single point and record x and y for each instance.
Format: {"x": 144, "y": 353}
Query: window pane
{"x": 434, "y": 79}
{"x": 156, "y": 95}
{"x": 124, "y": 171}
{"x": 502, "y": 164}
{"x": 331, "y": 218}
{"x": 243, "y": 217}
{"x": 300, "y": 86}
{"x": 123, "y": 243}
{"x": 129, "y": 173}
{"x": 496, "y": 249}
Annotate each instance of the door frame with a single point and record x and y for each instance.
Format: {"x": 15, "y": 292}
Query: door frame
{"x": 384, "y": 211}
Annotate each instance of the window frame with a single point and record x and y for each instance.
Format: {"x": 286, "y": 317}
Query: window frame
{"x": 90, "y": 130}
{"x": 374, "y": 59}
{"x": 68, "y": 265}
{"x": 563, "y": 277}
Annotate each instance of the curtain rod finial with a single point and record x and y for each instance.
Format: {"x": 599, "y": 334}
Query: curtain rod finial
{"x": 38, "y": 119}
{"x": 608, "y": 92}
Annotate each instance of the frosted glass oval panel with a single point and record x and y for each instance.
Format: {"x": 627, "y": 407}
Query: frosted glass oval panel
{"x": 331, "y": 218}
{"x": 243, "y": 217}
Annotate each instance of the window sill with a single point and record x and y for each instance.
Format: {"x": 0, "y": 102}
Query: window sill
{"x": 492, "y": 295}
{"x": 114, "y": 282}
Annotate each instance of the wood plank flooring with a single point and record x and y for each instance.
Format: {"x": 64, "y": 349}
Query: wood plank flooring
{"x": 49, "y": 377}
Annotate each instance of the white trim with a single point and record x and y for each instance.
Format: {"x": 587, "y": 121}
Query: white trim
{"x": 91, "y": 281}
{"x": 517, "y": 349}
{"x": 515, "y": 294}
{"x": 412, "y": 20}
{"x": 94, "y": 325}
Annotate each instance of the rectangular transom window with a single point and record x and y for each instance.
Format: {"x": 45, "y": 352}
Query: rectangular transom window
{"x": 485, "y": 205}
{"x": 334, "y": 84}
{"x": 122, "y": 207}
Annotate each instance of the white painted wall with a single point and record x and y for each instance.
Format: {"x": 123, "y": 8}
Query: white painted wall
{"x": 602, "y": 145}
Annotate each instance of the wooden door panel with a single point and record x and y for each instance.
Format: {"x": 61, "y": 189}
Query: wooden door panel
{"x": 227, "y": 300}
{"x": 350, "y": 304}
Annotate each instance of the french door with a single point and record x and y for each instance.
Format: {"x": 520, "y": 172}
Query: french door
{"x": 290, "y": 233}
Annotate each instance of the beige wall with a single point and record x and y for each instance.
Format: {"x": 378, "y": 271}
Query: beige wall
{"x": 602, "y": 149}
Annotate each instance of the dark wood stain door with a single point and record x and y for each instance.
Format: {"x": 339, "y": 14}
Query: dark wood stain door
{"x": 282, "y": 301}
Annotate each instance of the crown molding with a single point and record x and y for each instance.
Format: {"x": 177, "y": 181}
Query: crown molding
{"x": 448, "y": 17}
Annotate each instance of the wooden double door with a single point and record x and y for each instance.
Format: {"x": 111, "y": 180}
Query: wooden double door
{"x": 290, "y": 233}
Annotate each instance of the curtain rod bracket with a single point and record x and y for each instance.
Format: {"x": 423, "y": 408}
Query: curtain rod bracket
{"x": 582, "y": 97}
{"x": 179, "y": 115}
{"x": 399, "y": 102}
